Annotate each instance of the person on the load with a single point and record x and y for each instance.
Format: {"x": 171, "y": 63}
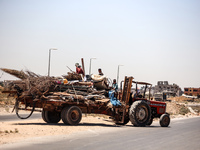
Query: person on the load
{"x": 76, "y": 64}
{"x": 79, "y": 70}
{"x": 115, "y": 85}
{"x": 100, "y": 72}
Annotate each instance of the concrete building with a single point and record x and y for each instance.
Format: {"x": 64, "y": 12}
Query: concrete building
{"x": 192, "y": 91}
{"x": 171, "y": 90}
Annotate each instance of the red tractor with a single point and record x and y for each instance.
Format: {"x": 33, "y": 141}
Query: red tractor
{"x": 137, "y": 107}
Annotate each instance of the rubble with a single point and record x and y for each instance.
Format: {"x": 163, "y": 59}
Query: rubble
{"x": 171, "y": 90}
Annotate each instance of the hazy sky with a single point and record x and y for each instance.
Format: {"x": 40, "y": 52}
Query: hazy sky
{"x": 154, "y": 39}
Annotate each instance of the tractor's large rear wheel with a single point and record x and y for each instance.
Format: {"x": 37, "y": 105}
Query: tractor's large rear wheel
{"x": 71, "y": 115}
{"x": 51, "y": 116}
{"x": 150, "y": 121}
{"x": 140, "y": 113}
{"x": 164, "y": 120}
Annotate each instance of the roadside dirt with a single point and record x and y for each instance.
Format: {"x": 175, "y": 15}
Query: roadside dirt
{"x": 19, "y": 130}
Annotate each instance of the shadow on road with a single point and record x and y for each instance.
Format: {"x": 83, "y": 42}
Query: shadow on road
{"x": 152, "y": 126}
{"x": 62, "y": 124}
{"x": 88, "y": 124}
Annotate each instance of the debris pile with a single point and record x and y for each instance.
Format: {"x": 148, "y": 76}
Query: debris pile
{"x": 41, "y": 88}
{"x": 72, "y": 76}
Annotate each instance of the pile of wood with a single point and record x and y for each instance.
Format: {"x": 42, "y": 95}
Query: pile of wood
{"x": 31, "y": 83}
{"x": 78, "y": 98}
{"x": 19, "y": 74}
{"x": 42, "y": 88}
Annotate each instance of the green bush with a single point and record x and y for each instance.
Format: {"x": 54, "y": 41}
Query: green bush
{"x": 6, "y": 131}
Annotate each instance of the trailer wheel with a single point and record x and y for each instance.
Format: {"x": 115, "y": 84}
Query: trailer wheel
{"x": 71, "y": 115}
{"x": 164, "y": 120}
{"x": 43, "y": 116}
{"x": 139, "y": 113}
{"x": 51, "y": 116}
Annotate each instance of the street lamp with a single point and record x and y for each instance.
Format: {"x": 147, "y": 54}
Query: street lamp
{"x": 118, "y": 73}
{"x": 50, "y": 59}
{"x": 90, "y": 65}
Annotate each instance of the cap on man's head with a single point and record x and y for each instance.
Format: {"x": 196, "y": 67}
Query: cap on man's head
{"x": 76, "y": 64}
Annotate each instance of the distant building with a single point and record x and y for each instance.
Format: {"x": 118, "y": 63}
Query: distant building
{"x": 170, "y": 90}
{"x": 192, "y": 91}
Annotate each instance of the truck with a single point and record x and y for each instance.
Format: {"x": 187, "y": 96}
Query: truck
{"x": 56, "y": 106}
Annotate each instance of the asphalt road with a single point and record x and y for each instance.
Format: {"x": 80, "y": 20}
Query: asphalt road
{"x": 13, "y": 117}
{"x": 182, "y": 134}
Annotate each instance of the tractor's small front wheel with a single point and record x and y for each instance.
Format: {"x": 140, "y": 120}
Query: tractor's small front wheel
{"x": 164, "y": 120}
